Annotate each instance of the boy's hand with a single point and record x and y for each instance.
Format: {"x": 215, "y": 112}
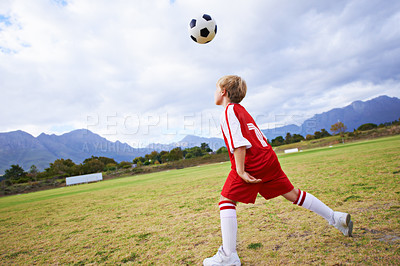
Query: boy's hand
{"x": 240, "y": 154}
{"x": 249, "y": 178}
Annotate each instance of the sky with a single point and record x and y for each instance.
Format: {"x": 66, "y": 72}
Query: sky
{"x": 129, "y": 71}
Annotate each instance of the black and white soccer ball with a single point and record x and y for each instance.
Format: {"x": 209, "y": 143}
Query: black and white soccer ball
{"x": 202, "y": 29}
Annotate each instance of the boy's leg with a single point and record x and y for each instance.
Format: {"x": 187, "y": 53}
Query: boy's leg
{"x": 226, "y": 254}
{"x": 341, "y": 221}
{"x": 310, "y": 202}
{"x": 234, "y": 190}
{"x": 228, "y": 225}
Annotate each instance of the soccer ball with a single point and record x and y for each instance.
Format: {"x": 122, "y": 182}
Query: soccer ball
{"x": 202, "y": 29}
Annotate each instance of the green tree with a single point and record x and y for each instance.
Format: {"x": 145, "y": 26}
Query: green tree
{"x": 297, "y": 138}
{"x": 205, "y": 147}
{"x": 277, "y": 141}
{"x": 139, "y": 159}
{"x": 367, "y": 126}
{"x": 317, "y": 135}
{"x": 33, "y": 172}
{"x": 77, "y": 169}
{"x": 164, "y": 156}
{"x": 325, "y": 133}
{"x": 175, "y": 154}
{"x": 125, "y": 164}
{"x": 104, "y": 160}
{"x": 61, "y": 168}
{"x": 193, "y": 152}
{"x": 288, "y": 138}
{"x": 111, "y": 167}
{"x": 15, "y": 173}
{"x": 223, "y": 149}
{"x": 153, "y": 157}
{"x": 309, "y": 137}
{"x": 92, "y": 166}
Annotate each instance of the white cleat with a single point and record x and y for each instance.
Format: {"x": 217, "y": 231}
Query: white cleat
{"x": 343, "y": 222}
{"x": 221, "y": 259}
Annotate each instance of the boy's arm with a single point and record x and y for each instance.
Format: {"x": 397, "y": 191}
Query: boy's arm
{"x": 240, "y": 155}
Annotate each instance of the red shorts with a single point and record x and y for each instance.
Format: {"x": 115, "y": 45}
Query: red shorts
{"x": 274, "y": 184}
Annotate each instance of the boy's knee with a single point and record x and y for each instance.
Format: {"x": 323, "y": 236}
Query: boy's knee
{"x": 292, "y": 195}
{"x": 222, "y": 198}
{"x": 227, "y": 205}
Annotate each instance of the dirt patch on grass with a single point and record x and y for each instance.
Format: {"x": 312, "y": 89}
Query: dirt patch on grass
{"x": 388, "y": 237}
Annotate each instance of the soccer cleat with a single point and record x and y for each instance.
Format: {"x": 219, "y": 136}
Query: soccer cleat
{"x": 342, "y": 221}
{"x": 220, "y": 259}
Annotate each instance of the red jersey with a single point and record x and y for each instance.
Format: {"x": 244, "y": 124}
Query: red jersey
{"x": 239, "y": 129}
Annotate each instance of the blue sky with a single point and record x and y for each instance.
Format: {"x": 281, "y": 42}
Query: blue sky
{"x": 5, "y": 20}
{"x": 129, "y": 71}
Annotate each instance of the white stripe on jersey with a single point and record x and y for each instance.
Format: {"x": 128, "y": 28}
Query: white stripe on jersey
{"x": 259, "y": 134}
{"x": 235, "y": 130}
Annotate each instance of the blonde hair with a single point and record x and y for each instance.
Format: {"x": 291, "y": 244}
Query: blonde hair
{"x": 235, "y": 86}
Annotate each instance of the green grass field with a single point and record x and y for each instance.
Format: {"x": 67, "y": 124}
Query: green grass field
{"x": 172, "y": 217}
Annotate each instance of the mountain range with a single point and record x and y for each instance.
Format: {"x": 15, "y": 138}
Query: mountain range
{"x": 381, "y": 109}
{"x": 19, "y": 147}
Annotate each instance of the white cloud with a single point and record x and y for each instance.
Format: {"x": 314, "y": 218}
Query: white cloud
{"x": 64, "y": 64}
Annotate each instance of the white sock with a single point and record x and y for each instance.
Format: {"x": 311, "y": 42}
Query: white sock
{"x": 228, "y": 226}
{"x": 312, "y": 203}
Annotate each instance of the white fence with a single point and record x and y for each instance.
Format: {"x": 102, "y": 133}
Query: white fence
{"x": 83, "y": 179}
{"x": 292, "y": 150}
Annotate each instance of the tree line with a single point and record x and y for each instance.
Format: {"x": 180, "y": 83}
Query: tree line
{"x": 62, "y": 168}
{"x": 337, "y": 129}
{"x": 176, "y": 154}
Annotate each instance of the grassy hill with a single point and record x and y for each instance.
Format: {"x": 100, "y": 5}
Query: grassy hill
{"x": 172, "y": 218}
{"x": 348, "y": 137}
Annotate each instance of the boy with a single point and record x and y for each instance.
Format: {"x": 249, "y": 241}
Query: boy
{"x": 255, "y": 169}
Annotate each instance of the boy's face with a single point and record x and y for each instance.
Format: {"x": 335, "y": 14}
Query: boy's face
{"x": 218, "y": 96}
